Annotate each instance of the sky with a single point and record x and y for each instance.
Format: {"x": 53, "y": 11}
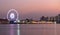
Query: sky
{"x": 30, "y": 8}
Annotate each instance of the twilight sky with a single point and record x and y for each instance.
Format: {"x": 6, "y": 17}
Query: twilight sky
{"x": 30, "y": 8}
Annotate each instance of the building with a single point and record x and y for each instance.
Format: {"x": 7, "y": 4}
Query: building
{"x": 57, "y": 18}
{"x": 52, "y": 19}
{"x": 4, "y": 21}
{"x": 44, "y": 18}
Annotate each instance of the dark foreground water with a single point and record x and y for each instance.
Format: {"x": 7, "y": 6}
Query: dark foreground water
{"x": 30, "y": 29}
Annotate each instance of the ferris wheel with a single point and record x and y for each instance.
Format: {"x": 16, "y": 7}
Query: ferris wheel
{"x": 12, "y": 15}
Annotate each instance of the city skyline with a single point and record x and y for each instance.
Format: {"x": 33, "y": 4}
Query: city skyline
{"x": 30, "y": 8}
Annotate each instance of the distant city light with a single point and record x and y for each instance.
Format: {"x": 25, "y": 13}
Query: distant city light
{"x": 18, "y": 20}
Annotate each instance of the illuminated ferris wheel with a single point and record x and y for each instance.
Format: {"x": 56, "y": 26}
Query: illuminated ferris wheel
{"x": 12, "y": 15}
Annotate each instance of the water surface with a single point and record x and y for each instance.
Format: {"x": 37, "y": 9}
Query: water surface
{"x": 30, "y": 29}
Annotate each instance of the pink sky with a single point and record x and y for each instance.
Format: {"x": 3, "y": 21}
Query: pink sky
{"x": 31, "y": 8}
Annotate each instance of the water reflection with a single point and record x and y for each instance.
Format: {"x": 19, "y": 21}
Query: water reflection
{"x": 8, "y": 29}
{"x": 29, "y": 29}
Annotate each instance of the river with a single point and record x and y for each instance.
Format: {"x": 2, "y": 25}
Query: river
{"x": 30, "y": 29}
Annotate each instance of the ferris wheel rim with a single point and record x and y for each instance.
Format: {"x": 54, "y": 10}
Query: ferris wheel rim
{"x": 10, "y": 11}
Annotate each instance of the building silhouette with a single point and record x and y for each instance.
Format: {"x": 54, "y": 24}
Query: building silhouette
{"x": 57, "y": 18}
{"x": 44, "y": 18}
{"x": 4, "y": 21}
